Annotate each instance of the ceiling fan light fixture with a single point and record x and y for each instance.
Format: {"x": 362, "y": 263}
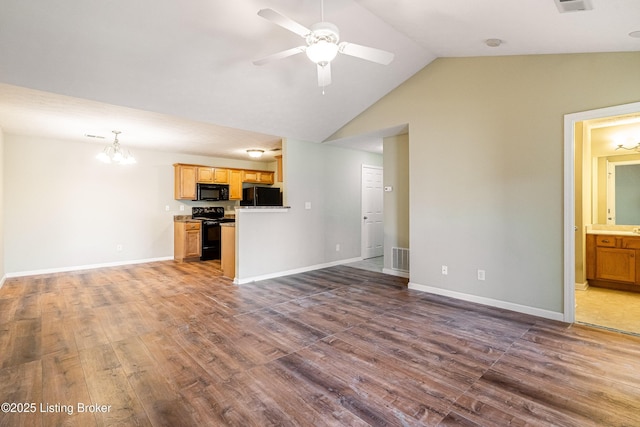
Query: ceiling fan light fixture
{"x": 256, "y": 154}
{"x": 322, "y": 52}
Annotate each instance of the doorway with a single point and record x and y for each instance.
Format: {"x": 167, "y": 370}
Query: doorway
{"x": 372, "y": 213}
{"x": 596, "y": 306}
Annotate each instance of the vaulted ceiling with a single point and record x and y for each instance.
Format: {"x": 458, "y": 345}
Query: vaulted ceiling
{"x": 179, "y": 76}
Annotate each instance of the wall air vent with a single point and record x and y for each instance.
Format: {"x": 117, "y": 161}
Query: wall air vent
{"x": 400, "y": 259}
{"x": 573, "y": 5}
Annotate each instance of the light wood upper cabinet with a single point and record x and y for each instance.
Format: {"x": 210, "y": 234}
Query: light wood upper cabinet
{"x": 257, "y": 177}
{"x": 235, "y": 184}
{"x": 279, "y": 168}
{"x": 213, "y": 175}
{"x": 185, "y": 182}
{"x": 187, "y": 177}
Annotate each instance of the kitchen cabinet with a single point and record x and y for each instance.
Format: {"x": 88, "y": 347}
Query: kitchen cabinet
{"x": 213, "y": 175}
{"x": 279, "y": 168}
{"x": 612, "y": 261}
{"x": 187, "y": 240}
{"x": 235, "y": 184}
{"x": 257, "y": 177}
{"x": 187, "y": 176}
{"x": 185, "y": 181}
{"x": 228, "y": 256}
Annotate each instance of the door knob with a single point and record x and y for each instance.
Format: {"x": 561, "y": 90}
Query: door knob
{"x": 366, "y": 217}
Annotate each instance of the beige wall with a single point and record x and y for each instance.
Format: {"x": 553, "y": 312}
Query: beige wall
{"x": 486, "y": 167}
{"x": 396, "y": 202}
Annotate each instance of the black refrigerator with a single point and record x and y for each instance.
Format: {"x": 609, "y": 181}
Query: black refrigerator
{"x": 261, "y": 196}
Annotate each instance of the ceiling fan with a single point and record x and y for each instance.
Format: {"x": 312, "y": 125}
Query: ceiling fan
{"x": 322, "y": 45}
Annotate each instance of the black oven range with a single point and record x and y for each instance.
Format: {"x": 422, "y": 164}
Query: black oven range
{"x": 212, "y": 217}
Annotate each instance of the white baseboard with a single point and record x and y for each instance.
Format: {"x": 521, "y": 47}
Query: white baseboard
{"x": 582, "y": 286}
{"x": 490, "y": 302}
{"x": 85, "y": 267}
{"x": 4, "y": 278}
{"x": 395, "y": 272}
{"x": 294, "y": 271}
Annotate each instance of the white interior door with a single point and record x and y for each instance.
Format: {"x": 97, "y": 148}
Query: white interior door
{"x": 372, "y": 215}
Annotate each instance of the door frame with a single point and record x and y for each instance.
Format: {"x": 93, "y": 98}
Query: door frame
{"x": 362, "y": 224}
{"x": 569, "y": 196}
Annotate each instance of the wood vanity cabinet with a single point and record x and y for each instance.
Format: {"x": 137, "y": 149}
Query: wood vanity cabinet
{"x": 612, "y": 261}
{"x": 187, "y": 243}
{"x": 185, "y": 181}
{"x": 209, "y": 175}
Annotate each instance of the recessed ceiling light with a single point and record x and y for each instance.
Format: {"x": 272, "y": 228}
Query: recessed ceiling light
{"x": 635, "y": 34}
{"x": 493, "y": 42}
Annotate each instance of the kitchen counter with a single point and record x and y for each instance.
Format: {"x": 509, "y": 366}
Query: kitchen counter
{"x": 184, "y": 218}
{"x": 228, "y": 224}
{"x": 263, "y": 208}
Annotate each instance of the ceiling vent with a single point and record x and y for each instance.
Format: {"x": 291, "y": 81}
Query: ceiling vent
{"x": 573, "y": 5}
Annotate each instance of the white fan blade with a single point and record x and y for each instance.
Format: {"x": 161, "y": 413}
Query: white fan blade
{"x": 280, "y": 55}
{"x": 364, "y": 52}
{"x": 286, "y": 23}
{"x": 324, "y": 75}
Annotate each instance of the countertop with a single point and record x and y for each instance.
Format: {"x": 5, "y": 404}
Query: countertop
{"x": 188, "y": 218}
{"x": 184, "y": 218}
{"x": 613, "y": 232}
{"x": 263, "y": 208}
{"x": 228, "y": 224}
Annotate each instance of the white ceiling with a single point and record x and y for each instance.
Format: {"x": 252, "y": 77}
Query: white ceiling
{"x": 179, "y": 76}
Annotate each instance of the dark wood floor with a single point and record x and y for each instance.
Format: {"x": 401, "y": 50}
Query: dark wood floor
{"x": 177, "y": 345}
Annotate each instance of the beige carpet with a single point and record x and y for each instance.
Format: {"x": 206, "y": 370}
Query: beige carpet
{"x": 609, "y": 308}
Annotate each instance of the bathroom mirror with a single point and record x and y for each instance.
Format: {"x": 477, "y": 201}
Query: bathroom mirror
{"x": 615, "y": 169}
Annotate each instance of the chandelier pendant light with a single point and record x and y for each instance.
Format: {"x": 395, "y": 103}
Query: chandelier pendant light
{"x": 114, "y": 153}
{"x": 634, "y": 148}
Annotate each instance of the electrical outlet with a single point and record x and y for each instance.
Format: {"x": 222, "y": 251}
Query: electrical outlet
{"x": 307, "y": 205}
{"x": 481, "y": 275}
{"x": 167, "y": 208}
{"x": 445, "y": 270}
{"x": 119, "y": 247}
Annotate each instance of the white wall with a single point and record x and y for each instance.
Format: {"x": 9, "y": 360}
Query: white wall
{"x": 486, "y": 167}
{"x": 2, "y": 267}
{"x": 342, "y": 180}
{"x": 64, "y": 209}
{"x": 329, "y": 178}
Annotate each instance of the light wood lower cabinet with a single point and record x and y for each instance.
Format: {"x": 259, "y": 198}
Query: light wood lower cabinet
{"x": 187, "y": 241}
{"x": 228, "y": 256}
{"x": 612, "y": 261}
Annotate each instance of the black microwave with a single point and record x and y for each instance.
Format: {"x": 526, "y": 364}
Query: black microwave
{"x": 213, "y": 192}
